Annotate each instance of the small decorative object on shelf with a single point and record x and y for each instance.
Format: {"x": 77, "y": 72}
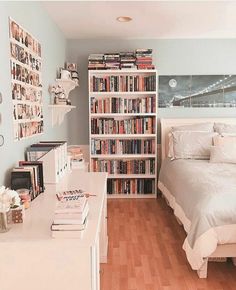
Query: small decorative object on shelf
{"x": 72, "y": 68}
{"x": 67, "y": 81}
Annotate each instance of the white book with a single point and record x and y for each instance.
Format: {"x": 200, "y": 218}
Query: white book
{"x": 71, "y": 204}
{"x": 73, "y": 218}
{"x": 69, "y": 227}
{"x": 67, "y": 234}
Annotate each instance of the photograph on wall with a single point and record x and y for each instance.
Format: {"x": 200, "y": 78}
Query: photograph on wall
{"x": 197, "y": 91}
{"x": 26, "y": 82}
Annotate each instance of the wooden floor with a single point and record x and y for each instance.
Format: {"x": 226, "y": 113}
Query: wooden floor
{"x": 145, "y": 251}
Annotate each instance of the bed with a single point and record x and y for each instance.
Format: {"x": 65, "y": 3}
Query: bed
{"x": 203, "y": 197}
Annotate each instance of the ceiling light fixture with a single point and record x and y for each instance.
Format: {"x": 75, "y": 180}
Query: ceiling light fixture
{"x": 124, "y": 19}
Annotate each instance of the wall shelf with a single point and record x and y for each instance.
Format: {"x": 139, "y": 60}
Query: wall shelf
{"x": 67, "y": 85}
{"x": 59, "y": 112}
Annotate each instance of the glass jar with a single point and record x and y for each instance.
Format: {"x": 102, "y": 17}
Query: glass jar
{"x": 3, "y": 222}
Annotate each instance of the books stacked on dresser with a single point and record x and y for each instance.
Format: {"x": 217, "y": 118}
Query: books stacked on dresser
{"x": 127, "y": 60}
{"x": 70, "y": 216}
{"x": 28, "y": 175}
{"x": 112, "y": 60}
{"x": 53, "y": 154}
{"x": 96, "y": 61}
{"x": 144, "y": 58}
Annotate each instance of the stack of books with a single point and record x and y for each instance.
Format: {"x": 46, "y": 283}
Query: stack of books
{"x": 96, "y": 61}
{"x": 112, "y": 60}
{"x": 28, "y": 175}
{"x": 70, "y": 216}
{"x": 127, "y": 60}
{"x": 144, "y": 58}
{"x": 140, "y": 59}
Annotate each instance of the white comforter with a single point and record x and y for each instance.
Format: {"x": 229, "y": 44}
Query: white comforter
{"x": 203, "y": 196}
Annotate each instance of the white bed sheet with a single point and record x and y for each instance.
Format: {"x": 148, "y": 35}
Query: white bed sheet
{"x": 190, "y": 186}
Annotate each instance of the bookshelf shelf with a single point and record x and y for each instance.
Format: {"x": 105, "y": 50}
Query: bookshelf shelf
{"x": 124, "y": 101}
{"x": 122, "y": 136}
{"x": 123, "y": 156}
{"x": 107, "y": 115}
{"x": 59, "y": 112}
{"x": 94, "y": 94}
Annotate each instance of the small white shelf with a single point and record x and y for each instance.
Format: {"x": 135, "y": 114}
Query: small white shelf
{"x": 132, "y": 195}
{"x": 108, "y": 115}
{"x": 59, "y": 112}
{"x": 67, "y": 85}
{"x": 129, "y": 176}
{"x": 123, "y": 156}
{"x": 123, "y": 136}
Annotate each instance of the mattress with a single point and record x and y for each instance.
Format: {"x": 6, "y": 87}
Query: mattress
{"x": 203, "y": 196}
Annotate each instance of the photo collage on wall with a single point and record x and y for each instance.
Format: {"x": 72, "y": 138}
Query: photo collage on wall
{"x": 26, "y": 82}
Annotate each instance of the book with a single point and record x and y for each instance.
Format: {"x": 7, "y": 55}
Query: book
{"x": 67, "y": 234}
{"x": 69, "y": 227}
{"x": 71, "y": 218}
{"x": 39, "y": 164}
{"x": 77, "y": 204}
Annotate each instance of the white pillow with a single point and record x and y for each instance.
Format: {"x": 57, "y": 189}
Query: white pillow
{"x": 201, "y": 127}
{"x": 223, "y": 154}
{"x": 224, "y": 140}
{"x": 205, "y": 127}
{"x": 192, "y": 145}
{"x": 224, "y": 128}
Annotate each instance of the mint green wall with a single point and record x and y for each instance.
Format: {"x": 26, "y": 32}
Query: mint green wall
{"x": 177, "y": 57}
{"x": 34, "y": 19}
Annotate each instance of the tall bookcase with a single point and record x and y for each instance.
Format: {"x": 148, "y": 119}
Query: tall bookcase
{"x": 122, "y": 130}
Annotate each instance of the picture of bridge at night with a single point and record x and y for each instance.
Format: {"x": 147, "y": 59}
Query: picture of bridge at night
{"x": 197, "y": 91}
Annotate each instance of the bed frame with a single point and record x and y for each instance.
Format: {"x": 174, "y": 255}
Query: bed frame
{"x": 222, "y": 251}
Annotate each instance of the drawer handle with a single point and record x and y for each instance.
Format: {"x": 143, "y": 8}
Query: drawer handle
{"x": 101, "y": 272}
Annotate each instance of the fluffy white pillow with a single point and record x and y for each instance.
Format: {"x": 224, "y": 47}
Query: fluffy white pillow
{"x": 204, "y": 127}
{"x": 201, "y": 127}
{"x": 224, "y": 128}
{"x": 224, "y": 140}
{"x": 223, "y": 154}
{"x": 192, "y": 145}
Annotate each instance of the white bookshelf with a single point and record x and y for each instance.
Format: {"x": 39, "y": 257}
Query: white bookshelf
{"x": 137, "y": 180}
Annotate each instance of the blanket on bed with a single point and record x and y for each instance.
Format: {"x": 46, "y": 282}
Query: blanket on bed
{"x": 205, "y": 191}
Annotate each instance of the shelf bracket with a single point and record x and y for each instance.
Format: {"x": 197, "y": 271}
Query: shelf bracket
{"x": 59, "y": 112}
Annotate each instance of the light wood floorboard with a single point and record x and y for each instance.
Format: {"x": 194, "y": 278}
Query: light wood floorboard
{"x": 145, "y": 251}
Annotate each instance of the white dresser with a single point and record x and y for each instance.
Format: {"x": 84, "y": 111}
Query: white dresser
{"x": 31, "y": 260}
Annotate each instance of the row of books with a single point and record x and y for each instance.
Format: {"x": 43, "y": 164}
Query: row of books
{"x": 130, "y": 186}
{"x": 54, "y": 156}
{"x": 28, "y": 175}
{"x": 138, "y": 125}
{"x": 123, "y": 83}
{"x": 123, "y": 105}
{"x": 70, "y": 215}
{"x": 140, "y": 59}
{"x": 117, "y": 146}
{"x": 146, "y": 166}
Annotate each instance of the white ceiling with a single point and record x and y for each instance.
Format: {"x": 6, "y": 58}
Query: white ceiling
{"x": 151, "y": 19}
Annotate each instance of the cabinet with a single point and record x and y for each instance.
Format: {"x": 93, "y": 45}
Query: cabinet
{"x": 31, "y": 259}
{"x": 123, "y": 142}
